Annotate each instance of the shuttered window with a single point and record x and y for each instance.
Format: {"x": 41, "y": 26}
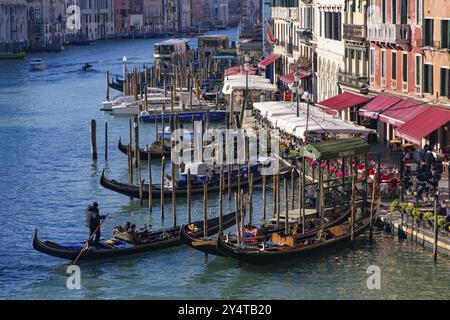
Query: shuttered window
{"x": 428, "y": 35}
{"x": 405, "y": 67}
{"x": 445, "y": 82}
{"x": 428, "y": 80}
{"x": 394, "y": 66}
{"x": 394, "y": 11}
{"x": 418, "y": 71}
{"x": 445, "y": 34}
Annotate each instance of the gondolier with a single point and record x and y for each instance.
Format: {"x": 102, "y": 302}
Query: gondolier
{"x": 93, "y": 221}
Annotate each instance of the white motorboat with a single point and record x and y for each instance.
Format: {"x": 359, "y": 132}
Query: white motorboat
{"x": 37, "y": 64}
{"x": 108, "y": 104}
{"x": 127, "y": 109}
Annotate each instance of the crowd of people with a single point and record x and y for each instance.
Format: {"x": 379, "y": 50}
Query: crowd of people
{"x": 428, "y": 173}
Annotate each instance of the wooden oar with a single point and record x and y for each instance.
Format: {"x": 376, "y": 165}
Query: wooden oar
{"x": 86, "y": 245}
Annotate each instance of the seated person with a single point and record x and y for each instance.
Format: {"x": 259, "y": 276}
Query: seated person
{"x": 133, "y": 234}
{"x": 127, "y": 227}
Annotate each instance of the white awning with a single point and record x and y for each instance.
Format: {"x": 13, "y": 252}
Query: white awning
{"x": 239, "y": 82}
{"x": 283, "y": 115}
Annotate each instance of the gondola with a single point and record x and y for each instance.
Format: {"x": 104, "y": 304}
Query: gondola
{"x": 149, "y": 241}
{"x": 132, "y": 190}
{"x": 209, "y": 245}
{"x": 263, "y": 255}
{"x": 154, "y": 154}
{"x": 116, "y": 84}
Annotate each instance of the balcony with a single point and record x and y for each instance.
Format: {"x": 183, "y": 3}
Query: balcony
{"x": 289, "y": 49}
{"x": 305, "y": 35}
{"x": 355, "y": 32}
{"x": 357, "y": 81}
{"x": 287, "y": 13}
{"x": 396, "y": 34}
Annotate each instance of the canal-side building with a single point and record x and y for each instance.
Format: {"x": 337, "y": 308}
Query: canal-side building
{"x": 436, "y": 51}
{"x": 292, "y": 48}
{"x": 330, "y": 47}
{"x": 46, "y": 24}
{"x": 394, "y": 31}
{"x": 234, "y": 12}
{"x": 353, "y": 77}
{"x": 13, "y": 25}
{"x": 153, "y": 17}
{"x": 97, "y": 20}
{"x": 121, "y": 17}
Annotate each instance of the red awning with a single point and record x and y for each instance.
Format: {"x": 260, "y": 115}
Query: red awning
{"x": 237, "y": 70}
{"x": 289, "y": 78}
{"x": 268, "y": 60}
{"x": 402, "y": 112}
{"x": 423, "y": 124}
{"x": 342, "y": 101}
{"x": 378, "y": 105}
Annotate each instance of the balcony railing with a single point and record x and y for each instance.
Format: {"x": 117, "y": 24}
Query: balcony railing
{"x": 389, "y": 33}
{"x": 355, "y": 81}
{"x": 289, "y": 48}
{"x": 305, "y": 35}
{"x": 355, "y": 32}
{"x": 287, "y": 13}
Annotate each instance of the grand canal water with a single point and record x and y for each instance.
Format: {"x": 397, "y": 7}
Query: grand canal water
{"x": 47, "y": 179}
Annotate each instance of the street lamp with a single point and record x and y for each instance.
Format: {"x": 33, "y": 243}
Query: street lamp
{"x": 247, "y": 70}
{"x": 297, "y": 85}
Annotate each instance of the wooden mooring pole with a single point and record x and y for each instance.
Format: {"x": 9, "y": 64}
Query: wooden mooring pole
{"x": 205, "y": 209}
{"x": 163, "y": 160}
{"x": 174, "y": 205}
{"x": 189, "y": 195}
{"x": 150, "y": 195}
{"x": 106, "y": 139}
{"x": 94, "y": 139}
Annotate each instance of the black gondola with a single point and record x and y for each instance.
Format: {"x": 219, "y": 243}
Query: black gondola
{"x": 153, "y": 152}
{"x": 149, "y": 241}
{"x": 116, "y": 84}
{"x": 132, "y": 190}
{"x": 209, "y": 245}
{"x": 261, "y": 255}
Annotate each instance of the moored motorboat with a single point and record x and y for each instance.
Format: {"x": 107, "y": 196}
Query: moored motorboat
{"x": 148, "y": 241}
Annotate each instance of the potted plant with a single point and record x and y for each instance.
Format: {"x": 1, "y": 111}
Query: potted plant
{"x": 395, "y": 205}
{"x": 428, "y": 217}
{"x": 417, "y": 215}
